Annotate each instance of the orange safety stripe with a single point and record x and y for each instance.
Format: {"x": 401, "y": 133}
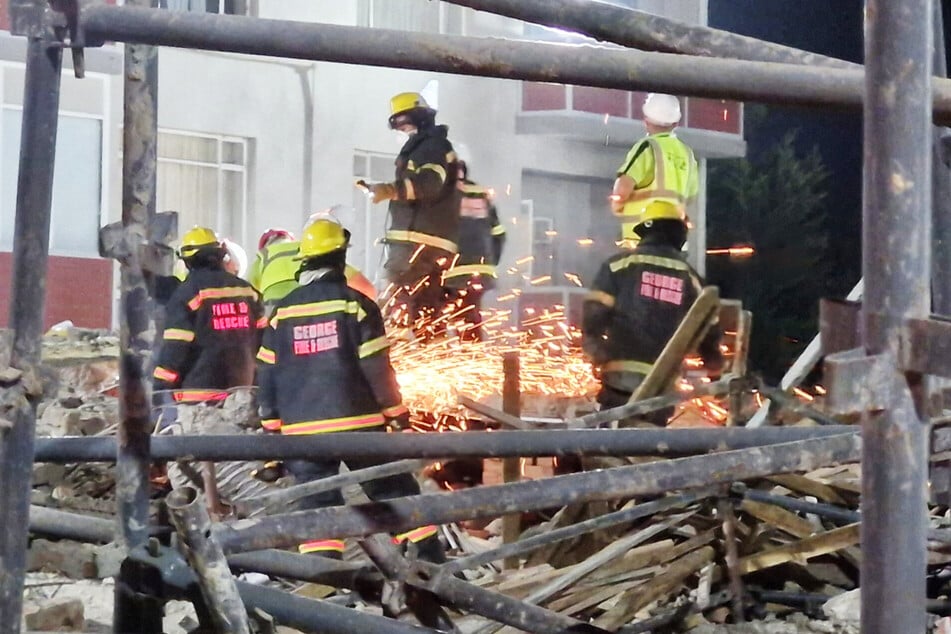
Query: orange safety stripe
{"x": 396, "y": 410}
{"x": 333, "y": 424}
{"x": 321, "y": 545}
{"x": 267, "y": 355}
{"x": 221, "y": 293}
{"x": 373, "y": 346}
{"x": 178, "y": 334}
{"x": 197, "y": 396}
{"x": 272, "y": 424}
{"x": 164, "y": 374}
{"x": 262, "y": 322}
{"x": 417, "y": 534}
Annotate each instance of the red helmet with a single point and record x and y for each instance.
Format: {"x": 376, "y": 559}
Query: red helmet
{"x": 273, "y": 234}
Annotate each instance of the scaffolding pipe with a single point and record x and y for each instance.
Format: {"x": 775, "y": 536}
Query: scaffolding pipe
{"x": 44, "y": 60}
{"x": 581, "y": 65}
{"x": 189, "y": 515}
{"x": 448, "y": 445}
{"x": 896, "y": 240}
{"x": 645, "y": 31}
{"x": 281, "y": 531}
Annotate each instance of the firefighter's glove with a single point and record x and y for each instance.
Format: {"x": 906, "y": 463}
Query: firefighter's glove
{"x": 399, "y": 423}
{"x": 381, "y": 192}
{"x": 271, "y": 472}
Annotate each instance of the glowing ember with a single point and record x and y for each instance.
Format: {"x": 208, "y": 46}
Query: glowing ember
{"x": 735, "y": 252}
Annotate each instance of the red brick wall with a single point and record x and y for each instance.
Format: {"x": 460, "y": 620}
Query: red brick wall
{"x": 79, "y": 289}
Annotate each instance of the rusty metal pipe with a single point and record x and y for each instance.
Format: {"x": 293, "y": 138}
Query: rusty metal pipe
{"x": 189, "y": 515}
{"x": 400, "y": 514}
{"x": 645, "y": 31}
{"x": 582, "y": 65}
{"x": 448, "y": 445}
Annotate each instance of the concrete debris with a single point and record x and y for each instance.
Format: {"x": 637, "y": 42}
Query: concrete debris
{"x": 844, "y": 608}
{"x": 67, "y": 558}
{"x": 56, "y": 615}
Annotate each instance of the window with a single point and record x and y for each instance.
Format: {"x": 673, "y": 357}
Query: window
{"x": 204, "y": 178}
{"x": 227, "y": 7}
{"x": 366, "y": 222}
{"x": 413, "y": 15}
{"x": 77, "y": 183}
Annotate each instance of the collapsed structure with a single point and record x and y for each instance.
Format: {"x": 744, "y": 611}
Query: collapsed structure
{"x": 881, "y": 377}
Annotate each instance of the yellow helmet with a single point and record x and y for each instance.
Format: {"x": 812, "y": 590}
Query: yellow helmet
{"x": 196, "y": 239}
{"x": 656, "y": 210}
{"x": 406, "y": 102}
{"x": 321, "y": 237}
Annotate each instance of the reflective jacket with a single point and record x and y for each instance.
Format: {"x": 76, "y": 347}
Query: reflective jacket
{"x": 212, "y": 331}
{"x": 274, "y": 273}
{"x": 635, "y": 305}
{"x": 426, "y": 210}
{"x": 324, "y": 362}
{"x": 665, "y": 174}
{"x": 481, "y": 237}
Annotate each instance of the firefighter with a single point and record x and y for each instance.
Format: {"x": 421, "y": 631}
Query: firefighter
{"x": 212, "y": 326}
{"x": 325, "y": 367}
{"x": 423, "y": 207}
{"x": 660, "y": 173}
{"x": 481, "y": 238}
{"x": 274, "y": 269}
{"x": 635, "y": 305}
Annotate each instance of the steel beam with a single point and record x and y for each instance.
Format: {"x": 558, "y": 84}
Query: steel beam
{"x": 582, "y": 65}
{"x": 645, "y": 31}
{"x": 281, "y": 531}
{"x": 44, "y": 60}
{"x": 896, "y": 239}
{"x": 448, "y": 445}
{"x": 941, "y": 186}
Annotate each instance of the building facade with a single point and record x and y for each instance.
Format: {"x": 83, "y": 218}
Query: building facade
{"x": 249, "y": 143}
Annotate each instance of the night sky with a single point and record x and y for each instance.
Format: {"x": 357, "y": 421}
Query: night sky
{"x": 834, "y": 28}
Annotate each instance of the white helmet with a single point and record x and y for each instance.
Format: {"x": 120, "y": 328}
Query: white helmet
{"x": 661, "y": 109}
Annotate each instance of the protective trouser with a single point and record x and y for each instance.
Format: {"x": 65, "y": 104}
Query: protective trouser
{"x": 416, "y": 272}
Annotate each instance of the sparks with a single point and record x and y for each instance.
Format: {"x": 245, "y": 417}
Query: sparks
{"x": 733, "y": 252}
{"x": 585, "y": 242}
{"x": 540, "y": 280}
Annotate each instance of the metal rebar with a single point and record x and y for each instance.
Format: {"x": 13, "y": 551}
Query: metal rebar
{"x": 583, "y": 65}
{"x": 190, "y": 517}
{"x": 31, "y": 232}
{"x": 448, "y": 445}
{"x": 281, "y": 531}
{"x": 642, "y": 30}
{"x": 529, "y": 544}
{"x": 896, "y": 238}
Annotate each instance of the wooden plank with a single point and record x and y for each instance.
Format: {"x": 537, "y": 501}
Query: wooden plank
{"x": 634, "y": 600}
{"x": 576, "y": 602}
{"x": 780, "y": 518}
{"x": 807, "y": 486}
{"x": 803, "y": 550}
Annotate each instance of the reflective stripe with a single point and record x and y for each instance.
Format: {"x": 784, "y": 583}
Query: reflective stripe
{"x": 417, "y": 534}
{"x": 498, "y": 230}
{"x": 178, "y": 334}
{"x": 272, "y": 424}
{"x": 435, "y": 167}
{"x": 471, "y": 269}
{"x": 409, "y": 190}
{"x": 318, "y": 308}
{"x": 373, "y": 346}
{"x": 267, "y": 356}
{"x": 165, "y": 375}
{"x": 336, "y": 545}
{"x": 261, "y": 323}
{"x": 198, "y": 396}
{"x": 654, "y": 260}
{"x": 601, "y": 297}
{"x": 638, "y": 367}
{"x": 396, "y": 410}
{"x": 422, "y": 238}
{"x": 334, "y": 424}
{"x": 221, "y": 293}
